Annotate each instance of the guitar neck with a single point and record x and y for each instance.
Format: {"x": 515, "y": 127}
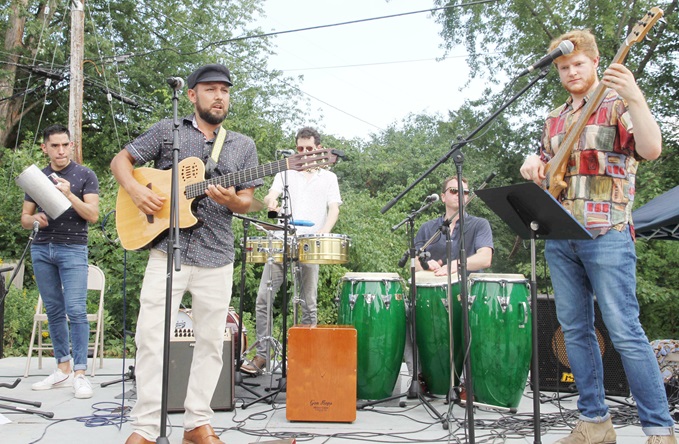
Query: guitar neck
{"x": 229, "y": 180}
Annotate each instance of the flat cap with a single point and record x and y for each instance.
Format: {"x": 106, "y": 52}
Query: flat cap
{"x": 209, "y": 73}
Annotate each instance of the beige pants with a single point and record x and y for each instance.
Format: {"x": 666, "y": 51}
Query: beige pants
{"x": 210, "y": 290}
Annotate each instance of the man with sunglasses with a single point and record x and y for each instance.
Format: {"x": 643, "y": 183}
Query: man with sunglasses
{"x": 314, "y": 197}
{"x": 478, "y": 236}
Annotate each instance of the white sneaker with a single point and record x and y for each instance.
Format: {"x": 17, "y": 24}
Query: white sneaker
{"x": 55, "y": 380}
{"x": 82, "y": 387}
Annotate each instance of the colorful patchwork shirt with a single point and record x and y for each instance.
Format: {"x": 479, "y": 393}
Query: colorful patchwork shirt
{"x": 602, "y": 167}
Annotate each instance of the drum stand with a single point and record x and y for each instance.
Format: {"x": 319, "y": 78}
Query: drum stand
{"x": 238, "y": 377}
{"x": 282, "y": 381}
{"x": 272, "y": 363}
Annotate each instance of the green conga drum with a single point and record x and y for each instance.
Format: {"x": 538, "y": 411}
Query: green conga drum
{"x": 433, "y": 332}
{"x": 374, "y": 304}
{"x": 501, "y": 332}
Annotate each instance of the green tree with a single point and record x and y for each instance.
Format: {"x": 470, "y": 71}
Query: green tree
{"x": 503, "y": 37}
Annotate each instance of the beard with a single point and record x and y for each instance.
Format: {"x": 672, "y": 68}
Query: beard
{"x": 213, "y": 117}
{"x": 585, "y": 86}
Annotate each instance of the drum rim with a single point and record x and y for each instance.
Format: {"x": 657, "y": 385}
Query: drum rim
{"x": 497, "y": 277}
{"x": 393, "y": 276}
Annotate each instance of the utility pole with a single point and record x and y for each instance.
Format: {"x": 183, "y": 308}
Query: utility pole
{"x": 75, "y": 104}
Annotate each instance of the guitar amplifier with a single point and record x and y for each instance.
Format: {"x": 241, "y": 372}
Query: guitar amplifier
{"x": 181, "y": 355}
{"x": 321, "y": 382}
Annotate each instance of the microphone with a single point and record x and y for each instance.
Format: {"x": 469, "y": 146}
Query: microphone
{"x": 175, "y": 82}
{"x": 404, "y": 259}
{"x": 36, "y": 227}
{"x": 424, "y": 258}
{"x": 285, "y": 153}
{"x": 432, "y": 198}
{"x": 565, "y": 47}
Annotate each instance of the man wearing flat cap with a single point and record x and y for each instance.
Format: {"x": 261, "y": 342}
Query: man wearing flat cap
{"x": 207, "y": 252}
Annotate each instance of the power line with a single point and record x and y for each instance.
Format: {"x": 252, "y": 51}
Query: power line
{"x": 309, "y": 28}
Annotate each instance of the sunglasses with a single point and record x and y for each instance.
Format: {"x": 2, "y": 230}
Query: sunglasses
{"x": 454, "y": 191}
{"x": 301, "y": 149}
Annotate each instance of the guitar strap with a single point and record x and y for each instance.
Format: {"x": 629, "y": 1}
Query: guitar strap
{"x": 216, "y": 151}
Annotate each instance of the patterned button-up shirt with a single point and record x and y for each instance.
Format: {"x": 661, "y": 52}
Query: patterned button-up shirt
{"x": 210, "y": 243}
{"x": 602, "y": 167}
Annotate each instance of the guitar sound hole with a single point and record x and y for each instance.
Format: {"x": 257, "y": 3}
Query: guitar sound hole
{"x": 189, "y": 172}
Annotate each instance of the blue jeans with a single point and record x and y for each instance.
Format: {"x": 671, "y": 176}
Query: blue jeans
{"x": 61, "y": 273}
{"x": 606, "y": 266}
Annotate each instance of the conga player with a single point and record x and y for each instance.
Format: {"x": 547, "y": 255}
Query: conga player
{"x": 478, "y": 238}
{"x": 314, "y": 197}
{"x": 478, "y": 244}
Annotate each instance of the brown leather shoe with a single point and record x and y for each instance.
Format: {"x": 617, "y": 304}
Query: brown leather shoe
{"x": 255, "y": 367}
{"x": 201, "y": 435}
{"x": 136, "y": 438}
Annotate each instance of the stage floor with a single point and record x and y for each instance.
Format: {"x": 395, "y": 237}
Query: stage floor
{"x": 98, "y": 420}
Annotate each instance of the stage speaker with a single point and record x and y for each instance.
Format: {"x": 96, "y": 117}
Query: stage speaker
{"x": 181, "y": 355}
{"x": 321, "y": 374}
{"x": 555, "y": 372}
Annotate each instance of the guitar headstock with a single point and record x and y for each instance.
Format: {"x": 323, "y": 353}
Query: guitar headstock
{"x": 644, "y": 25}
{"x": 313, "y": 159}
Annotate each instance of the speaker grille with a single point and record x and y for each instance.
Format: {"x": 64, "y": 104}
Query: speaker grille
{"x": 553, "y": 365}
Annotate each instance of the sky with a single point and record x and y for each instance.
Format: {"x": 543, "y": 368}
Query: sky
{"x": 364, "y": 77}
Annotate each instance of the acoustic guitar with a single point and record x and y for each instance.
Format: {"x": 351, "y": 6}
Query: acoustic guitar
{"x": 555, "y": 169}
{"x": 136, "y": 229}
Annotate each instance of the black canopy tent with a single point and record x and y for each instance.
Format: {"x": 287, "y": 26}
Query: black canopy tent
{"x": 659, "y": 218}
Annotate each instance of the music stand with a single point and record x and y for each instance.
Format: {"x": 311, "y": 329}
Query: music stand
{"x": 533, "y": 213}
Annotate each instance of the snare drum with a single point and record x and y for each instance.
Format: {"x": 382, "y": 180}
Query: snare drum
{"x": 323, "y": 248}
{"x": 258, "y": 248}
{"x": 433, "y": 331}
{"x": 501, "y": 331}
{"x": 374, "y": 304}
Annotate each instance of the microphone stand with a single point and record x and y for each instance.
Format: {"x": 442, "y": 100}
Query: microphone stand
{"x": 4, "y": 291}
{"x": 238, "y": 377}
{"x": 462, "y": 273}
{"x": 282, "y": 381}
{"x": 173, "y": 258}
{"x": 414, "y": 390}
{"x": 462, "y": 142}
{"x": 463, "y": 259}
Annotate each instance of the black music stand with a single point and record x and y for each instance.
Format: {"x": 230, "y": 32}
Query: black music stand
{"x": 533, "y": 214}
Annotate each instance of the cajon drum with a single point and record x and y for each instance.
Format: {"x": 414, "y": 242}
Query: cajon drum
{"x": 321, "y": 383}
